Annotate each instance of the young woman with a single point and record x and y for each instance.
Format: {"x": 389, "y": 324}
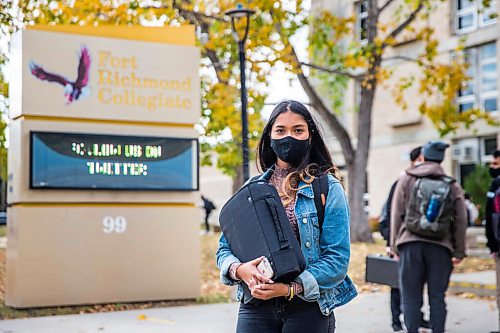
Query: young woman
{"x": 292, "y": 144}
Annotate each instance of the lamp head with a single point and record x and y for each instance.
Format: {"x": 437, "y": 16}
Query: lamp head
{"x": 237, "y": 14}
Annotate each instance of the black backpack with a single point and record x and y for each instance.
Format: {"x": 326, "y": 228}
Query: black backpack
{"x": 255, "y": 224}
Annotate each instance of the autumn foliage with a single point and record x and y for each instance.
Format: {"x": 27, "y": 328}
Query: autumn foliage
{"x": 336, "y": 56}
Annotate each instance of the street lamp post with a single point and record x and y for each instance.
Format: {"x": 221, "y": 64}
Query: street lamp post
{"x": 238, "y": 14}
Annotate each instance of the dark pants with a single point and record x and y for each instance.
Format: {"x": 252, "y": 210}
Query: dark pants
{"x": 207, "y": 215}
{"x": 395, "y": 305}
{"x": 278, "y": 315}
{"x": 421, "y": 263}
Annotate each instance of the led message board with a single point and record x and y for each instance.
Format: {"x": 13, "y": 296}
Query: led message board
{"x": 112, "y": 162}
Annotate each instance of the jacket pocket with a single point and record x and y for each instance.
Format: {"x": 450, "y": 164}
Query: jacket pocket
{"x": 310, "y": 236}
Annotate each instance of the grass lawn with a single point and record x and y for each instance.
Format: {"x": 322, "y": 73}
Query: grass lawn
{"x": 212, "y": 291}
{"x": 3, "y": 230}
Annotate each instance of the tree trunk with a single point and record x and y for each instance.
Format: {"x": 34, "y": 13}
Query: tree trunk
{"x": 357, "y": 177}
{"x": 360, "y": 231}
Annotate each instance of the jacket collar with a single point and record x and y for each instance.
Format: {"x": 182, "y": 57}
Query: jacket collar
{"x": 306, "y": 190}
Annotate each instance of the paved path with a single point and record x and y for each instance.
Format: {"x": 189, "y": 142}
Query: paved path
{"x": 368, "y": 313}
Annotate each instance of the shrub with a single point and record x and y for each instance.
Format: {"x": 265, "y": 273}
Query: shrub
{"x": 477, "y": 184}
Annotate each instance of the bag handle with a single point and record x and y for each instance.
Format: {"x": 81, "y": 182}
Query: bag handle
{"x": 281, "y": 237}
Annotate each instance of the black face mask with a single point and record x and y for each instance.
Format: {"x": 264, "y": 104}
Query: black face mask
{"x": 289, "y": 149}
{"x": 494, "y": 173}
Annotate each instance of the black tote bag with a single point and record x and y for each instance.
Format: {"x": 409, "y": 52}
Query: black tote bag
{"x": 255, "y": 224}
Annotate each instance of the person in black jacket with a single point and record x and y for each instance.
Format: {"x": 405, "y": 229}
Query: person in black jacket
{"x": 385, "y": 229}
{"x": 493, "y": 242}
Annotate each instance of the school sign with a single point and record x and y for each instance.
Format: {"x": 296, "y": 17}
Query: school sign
{"x": 103, "y": 165}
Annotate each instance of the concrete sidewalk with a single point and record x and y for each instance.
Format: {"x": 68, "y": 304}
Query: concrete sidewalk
{"x": 368, "y": 313}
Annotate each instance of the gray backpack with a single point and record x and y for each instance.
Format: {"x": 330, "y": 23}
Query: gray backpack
{"x": 430, "y": 212}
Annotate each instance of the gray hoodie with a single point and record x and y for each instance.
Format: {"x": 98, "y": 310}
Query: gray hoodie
{"x": 455, "y": 241}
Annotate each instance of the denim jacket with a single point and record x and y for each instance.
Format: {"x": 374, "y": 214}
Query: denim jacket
{"x": 325, "y": 278}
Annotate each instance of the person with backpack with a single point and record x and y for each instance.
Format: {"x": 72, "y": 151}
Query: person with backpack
{"x": 208, "y": 206}
{"x": 428, "y": 223}
{"x": 492, "y": 216}
{"x": 292, "y": 147}
{"x": 416, "y": 158}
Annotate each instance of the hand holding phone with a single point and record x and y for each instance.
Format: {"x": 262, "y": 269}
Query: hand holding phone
{"x": 265, "y": 268}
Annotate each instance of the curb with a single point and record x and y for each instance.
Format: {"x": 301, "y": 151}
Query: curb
{"x": 479, "y": 289}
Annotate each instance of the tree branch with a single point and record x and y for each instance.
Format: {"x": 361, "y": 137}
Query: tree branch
{"x": 199, "y": 19}
{"x": 333, "y": 71}
{"x": 385, "y": 5}
{"x": 333, "y": 122}
{"x": 404, "y": 24}
{"x": 200, "y": 16}
{"x": 210, "y": 54}
{"x": 331, "y": 119}
{"x": 315, "y": 101}
{"x": 196, "y": 15}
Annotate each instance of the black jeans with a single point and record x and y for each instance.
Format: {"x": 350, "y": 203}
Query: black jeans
{"x": 207, "y": 215}
{"x": 395, "y": 306}
{"x": 278, "y": 315}
{"x": 420, "y": 263}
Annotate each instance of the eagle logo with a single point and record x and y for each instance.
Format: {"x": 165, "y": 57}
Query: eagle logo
{"x": 73, "y": 90}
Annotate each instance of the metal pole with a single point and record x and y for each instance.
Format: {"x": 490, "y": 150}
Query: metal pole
{"x": 244, "y": 121}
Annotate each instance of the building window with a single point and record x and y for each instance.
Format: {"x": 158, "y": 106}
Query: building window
{"x": 489, "y": 146}
{"x": 362, "y": 20}
{"x": 488, "y": 77}
{"x": 487, "y": 16}
{"x": 470, "y": 14}
{"x": 465, "y": 170}
{"x": 481, "y": 90}
{"x": 470, "y": 152}
{"x": 466, "y": 98}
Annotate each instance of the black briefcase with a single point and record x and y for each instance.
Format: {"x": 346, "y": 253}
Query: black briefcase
{"x": 382, "y": 270}
{"x": 255, "y": 224}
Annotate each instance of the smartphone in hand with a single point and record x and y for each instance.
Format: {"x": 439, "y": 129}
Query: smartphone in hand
{"x": 265, "y": 268}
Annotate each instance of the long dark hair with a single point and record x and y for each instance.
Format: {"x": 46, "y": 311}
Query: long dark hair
{"x": 317, "y": 160}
